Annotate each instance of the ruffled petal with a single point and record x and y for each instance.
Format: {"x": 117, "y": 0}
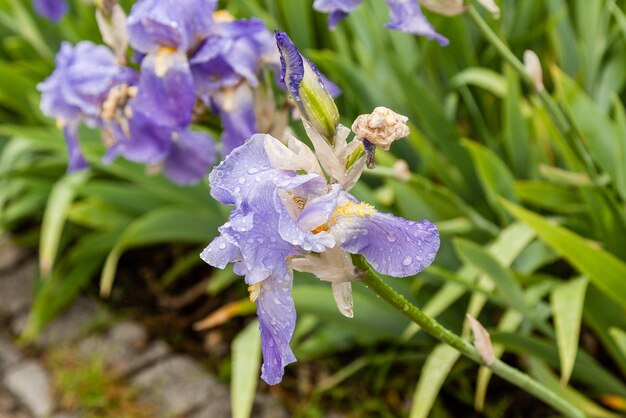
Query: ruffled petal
{"x": 52, "y": 10}
{"x": 392, "y": 245}
{"x": 277, "y": 320}
{"x": 239, "y": 177}
{"x": 190, "y": 158}
{"x": 220, "y": 252}
{"x": 407, "y": 16}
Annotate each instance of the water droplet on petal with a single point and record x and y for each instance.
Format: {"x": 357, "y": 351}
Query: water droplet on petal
{"x": 407, "y": 260}
{"x": 242, "y": 180}
{"x": 252, "y": 170}
{"x": 222, "y": 245}
{"x": 391, "y": 238}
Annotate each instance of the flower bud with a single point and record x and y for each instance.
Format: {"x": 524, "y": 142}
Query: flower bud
{"x": 306, "y": 87}
{"x": 533, "y": 67}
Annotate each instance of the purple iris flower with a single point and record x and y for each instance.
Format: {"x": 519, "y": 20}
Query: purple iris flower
{"x": 167, "y": 31}
{"x": 52, "y": 10}
{"x": 283, "y": 220}
{"x": 292, "y": 210}
{"x": 226, "y": 67}
{"x": 77, "y": 88}
{"x": 405, "y": 16}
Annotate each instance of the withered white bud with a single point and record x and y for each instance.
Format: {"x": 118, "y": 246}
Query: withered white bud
{"x": 444, "y": 7}
{"x": 533, "y": 67}
{"x": 111, "y": 21}
{"x": 482, "y": 341}
{"x": 381, "y": 127}
{"x": 401, "y": 170}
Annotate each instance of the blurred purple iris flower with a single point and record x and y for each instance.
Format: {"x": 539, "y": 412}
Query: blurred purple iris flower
{"x": 405, "y": 16}
{"x": 77, "y": 88}
{"x": 226, "y": 68}
{"x": 52, "y": 10}
{"x": 292, "y": 210}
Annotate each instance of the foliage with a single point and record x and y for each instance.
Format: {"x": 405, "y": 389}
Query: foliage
{"x": 528, "y": 190}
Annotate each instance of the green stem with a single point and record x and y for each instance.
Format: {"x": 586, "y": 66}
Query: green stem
{"x": 560, "y": 118}
{"x": 373, "y": 281}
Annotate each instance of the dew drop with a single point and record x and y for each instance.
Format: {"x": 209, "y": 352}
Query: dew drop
{"x": 405, "y": 308}
{"x": 222, "y": 245}
{"x": 252, "y": 170}
{"x": 391, "y": 238}
{"x": 237, "y": 189}
{"x": 242, "y": 180}
{"x": 273, "y": 239}
{"x": 407, "y": 260}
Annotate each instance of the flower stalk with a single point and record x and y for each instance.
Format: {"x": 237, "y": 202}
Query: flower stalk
{"x": 374, "y": 282}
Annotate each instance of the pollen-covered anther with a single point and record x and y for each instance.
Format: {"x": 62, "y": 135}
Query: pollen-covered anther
{"x": 381, "y": 127}
{"x": 116, "y": 100}
{"x": 254, "y": 290}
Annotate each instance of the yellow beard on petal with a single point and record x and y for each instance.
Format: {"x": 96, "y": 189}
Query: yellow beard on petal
{"x": 347, "y": 209}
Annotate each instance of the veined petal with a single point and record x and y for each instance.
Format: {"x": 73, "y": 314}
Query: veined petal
{"x": 392, "y": 245}
{"x": 337, "y": 9}
{"x": 407, "y": 16}
{"x": 243, "y": 172}
{"x": 318, "y": 209}
{"x": 277, "y": 320}
{"x": 255, "y": 230}
{"x": 220, "y": 252}
{"x": 190, "y": 157}
{"x": 166, "y": 92}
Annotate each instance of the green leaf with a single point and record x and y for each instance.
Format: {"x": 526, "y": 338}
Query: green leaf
{"x": 605, "y": 270}
{"x": 619, "y": 335}
{"x": 510, "y": 290}
{"x": 516, "y": 137}
{"x": 567, "y": 307}
{"x": 494, "y": 176}
{"x": 484, "y": 78}
{"x": 434, "y": 373}
{"x": 60, "y": 199}
{"x": 246, "y": 367}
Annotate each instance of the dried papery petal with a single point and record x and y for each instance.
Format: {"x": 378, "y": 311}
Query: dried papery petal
{"x": 381, "y": 127}
{"x": 533, "y": 67}
{"x": 482, "y": 341}
{"x": 112, "y": 25}
{"x": 444, "y": 7}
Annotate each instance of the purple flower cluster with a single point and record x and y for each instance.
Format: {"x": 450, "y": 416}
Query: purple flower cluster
{"x": 405, "y": 16}
{"x": 189, "y": 55}
{"x": 292, "y": 210}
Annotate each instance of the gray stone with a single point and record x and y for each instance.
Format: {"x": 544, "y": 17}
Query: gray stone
{"x": 10, "y": 254}
{"x": 16, "y": 288}
{"x": 9, "y": 355}
{"x": 31, "y": 384}
{"x": 68, "y": 326}
{"x": 178, "y": 385}
{"x": 122, "y": 356}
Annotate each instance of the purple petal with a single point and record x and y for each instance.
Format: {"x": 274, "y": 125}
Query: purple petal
{"x": 220, "y": 252}
{"x": 337, "y": 9}
{"x": 242, "y": 172}
{"x": 166, "y": 92}
{"x": 178, "y": 24}
{"x": 53, "y": 10}
{"x": 190, "y": 158}
{"x": 317, "y": 211}
{"x": 309, "y": 186}
{"x": 255, "y": 232}
{"x": 277, "y": 320}
{"x": 81, "y": 81}
{"x": 76, "y": 160}
{"x": 148, "y": 142}
{"x": 407, "y": 16}
{"x": 393, "y": 246}
{"x": 292, "y": 64}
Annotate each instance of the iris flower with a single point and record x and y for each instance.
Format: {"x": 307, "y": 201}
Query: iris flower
{"x": 292, "y": 210}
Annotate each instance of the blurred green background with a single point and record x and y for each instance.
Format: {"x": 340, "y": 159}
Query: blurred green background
{"x": 528, "y": 190}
